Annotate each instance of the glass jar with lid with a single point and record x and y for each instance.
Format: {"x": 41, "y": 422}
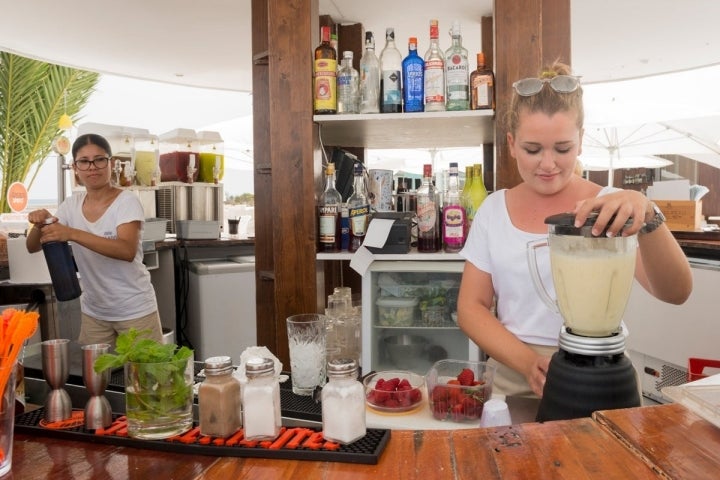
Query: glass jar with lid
{"x": 219, "y": 399}
{"x": 343, "y": 403}
{"x": 261, "y": 400}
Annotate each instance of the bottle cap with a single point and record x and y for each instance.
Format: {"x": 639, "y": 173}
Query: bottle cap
{"x": 455, "y": 30}
{"x": 257, "y": 366}
{"x": 390, "y": 33}
{"x": 341, "y": 366}
{"x": 218, "y": 365}
{"x": 330, "y": 170}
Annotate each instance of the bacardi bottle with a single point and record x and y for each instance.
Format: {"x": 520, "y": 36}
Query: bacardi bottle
{"x": 434, "y": 72}
{"x": 482, "y": 86}
{"x": 427, "y": 214}
{"x": 413, "y": 79}
{"x": 453, "y": 216}
{"x": 348, "y": 85}
{"x": 391, "y": 76}
{"x": 329, "y": 209}
{"x": 358, "y": 210}
{"x": 369, "y": 77}
{"x": 324, "y": 76}
{"x": 457, "y": 72}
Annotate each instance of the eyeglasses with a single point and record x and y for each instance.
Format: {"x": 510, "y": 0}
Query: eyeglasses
{"x": 97, "y": 162}
{"x": 527, "y": 87}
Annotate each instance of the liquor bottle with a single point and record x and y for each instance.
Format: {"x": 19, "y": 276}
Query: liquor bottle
{"x": 427, "y": 214}
{"x": 453, "y": 216}
{"x": 348, "y": 85}
{"x": 434, "y": 72}
{"x": 465, "y": 199}
{"x": 413, "y": 79}
{"x": 324, "y": 76}
{"x": 369, "y": 77}
{"x": 478, "y": 193}
{"x": 482, "y": 86}
{"x": 402, "y": 197}
{"x": 334, "y": 44}
{"x": 457, "y": 72}
{"x": 390, "y": 75}
{"x": 329, "y": 210}
{"x": 358, "y": 210}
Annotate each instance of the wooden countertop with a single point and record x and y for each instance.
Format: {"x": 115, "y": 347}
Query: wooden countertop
{"x": 666, "y": 441}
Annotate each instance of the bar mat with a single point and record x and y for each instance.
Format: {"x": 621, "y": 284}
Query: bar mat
{"x": 293, "y": 443}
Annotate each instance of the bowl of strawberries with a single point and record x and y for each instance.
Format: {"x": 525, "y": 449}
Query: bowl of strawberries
{"x": 458, "y": 389}
{"x": 393, "y": 391}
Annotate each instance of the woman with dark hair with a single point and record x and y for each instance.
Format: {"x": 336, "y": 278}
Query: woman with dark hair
{"x": 545, "y": 125}
{"x": 104, "y": 225}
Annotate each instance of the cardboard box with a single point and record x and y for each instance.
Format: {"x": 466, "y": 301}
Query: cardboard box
{"x": 682, "y": 215}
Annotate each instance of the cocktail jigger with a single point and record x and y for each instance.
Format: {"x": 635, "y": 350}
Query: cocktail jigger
{"x": 55, "y": 363}
{"x": 98, "y": 413}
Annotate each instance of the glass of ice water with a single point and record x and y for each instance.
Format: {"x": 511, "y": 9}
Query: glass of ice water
{"x": 306, "y": 342}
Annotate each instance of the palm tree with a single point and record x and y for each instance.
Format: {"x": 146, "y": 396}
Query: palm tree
{"x": 33, "y": 97}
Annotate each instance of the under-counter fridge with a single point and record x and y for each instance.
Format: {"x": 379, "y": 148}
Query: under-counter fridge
{"x": 409, "y": 313}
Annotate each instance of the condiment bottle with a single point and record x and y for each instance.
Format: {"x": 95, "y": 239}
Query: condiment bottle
{"x": 219, "y": 399}
{"x": 343, "y": 403}
{"x": 62, "y": 268}
{"x": 261, "y": 400}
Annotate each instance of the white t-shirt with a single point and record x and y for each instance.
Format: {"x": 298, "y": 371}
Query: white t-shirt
{"x": 112, "y": 289}
{"x": 497, "y": 247}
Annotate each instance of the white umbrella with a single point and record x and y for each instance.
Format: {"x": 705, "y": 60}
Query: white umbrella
{"x": 602, "y": 163}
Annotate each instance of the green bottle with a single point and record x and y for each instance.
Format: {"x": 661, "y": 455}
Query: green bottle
{"x": 478, "y": 193}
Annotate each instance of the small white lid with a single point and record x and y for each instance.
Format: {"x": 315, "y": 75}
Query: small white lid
{"x": 397, "y": 301}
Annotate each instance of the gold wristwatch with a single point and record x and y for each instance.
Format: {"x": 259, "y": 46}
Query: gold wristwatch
{"x": 657, "y": 220}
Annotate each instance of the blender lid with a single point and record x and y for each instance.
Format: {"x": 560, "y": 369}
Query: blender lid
{"x": 564, "y": 224}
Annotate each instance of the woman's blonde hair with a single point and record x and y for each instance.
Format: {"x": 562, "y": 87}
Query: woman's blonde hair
{"x": 547, "y": 101}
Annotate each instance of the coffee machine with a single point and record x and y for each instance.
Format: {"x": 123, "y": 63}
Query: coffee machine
{"x": 592, "y": 276}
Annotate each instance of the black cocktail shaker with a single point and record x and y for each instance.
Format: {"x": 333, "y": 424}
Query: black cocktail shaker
{"x": 62, "y": 270}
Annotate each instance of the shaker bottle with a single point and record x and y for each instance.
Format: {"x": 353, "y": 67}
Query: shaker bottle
{"x": 62, "y": 269}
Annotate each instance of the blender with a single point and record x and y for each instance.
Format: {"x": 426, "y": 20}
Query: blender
{"x": 593, "y": 276}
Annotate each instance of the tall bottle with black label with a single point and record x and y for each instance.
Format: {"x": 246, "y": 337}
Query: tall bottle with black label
{"x": 369, "y": 77}
{"x": 427, "y": 214}
{"x": 358, "y": 209}
{"x": 329, "y": 211}
{"x": 324, "y": 76}
{"x": 434, "y": 72}
{"x": 61, "y": 266}
{"x": 390, "y": 75}
{"x": 413, "y": 79}
{"x": 457, "y": 74}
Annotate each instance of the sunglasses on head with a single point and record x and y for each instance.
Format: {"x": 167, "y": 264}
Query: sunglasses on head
{"x": 527, "y": 87}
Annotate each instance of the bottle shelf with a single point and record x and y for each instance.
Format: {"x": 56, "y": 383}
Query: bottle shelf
{"x": 408, "y": 130}
{"x": 412, "y": 255}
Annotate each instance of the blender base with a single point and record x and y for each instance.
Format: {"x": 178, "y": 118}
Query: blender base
{"x": 578, "y": 385}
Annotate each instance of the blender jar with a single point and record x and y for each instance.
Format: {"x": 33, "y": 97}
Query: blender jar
{"x": 592, "y": 275}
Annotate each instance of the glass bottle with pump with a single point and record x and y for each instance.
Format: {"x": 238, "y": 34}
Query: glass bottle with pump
{"x": 390, "y": 75}
{"x": 427, "y": 214}
{"x": 329, "y": 210}
{"x": 343, "y": 403}
{"x": 413, "y": 79}
{"x": 482, "y": 86}
{"x": 434, "y": 72}
{"x": 457, "y": 73}
{"x": 348, "y": 85}
{"x": 324, "y": 76}
{"x": 358, "y": 209}
{"x": 369, "y": 77}
{"x": 453, "y": 216}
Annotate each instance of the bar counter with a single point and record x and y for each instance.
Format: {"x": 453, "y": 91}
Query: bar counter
{"x": 665, "y": 441}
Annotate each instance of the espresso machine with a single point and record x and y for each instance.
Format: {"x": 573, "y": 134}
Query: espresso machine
{"x": 593, "y": 276}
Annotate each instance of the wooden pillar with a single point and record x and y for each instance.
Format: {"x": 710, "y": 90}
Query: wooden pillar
{"x": 286, "y": 161}
{"x": 529, "y": 34}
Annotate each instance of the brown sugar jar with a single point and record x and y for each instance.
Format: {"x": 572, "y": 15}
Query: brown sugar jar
{"x": 219, "y": 399}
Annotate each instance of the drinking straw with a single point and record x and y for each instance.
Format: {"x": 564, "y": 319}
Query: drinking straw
{"x": 16, "y": 326}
